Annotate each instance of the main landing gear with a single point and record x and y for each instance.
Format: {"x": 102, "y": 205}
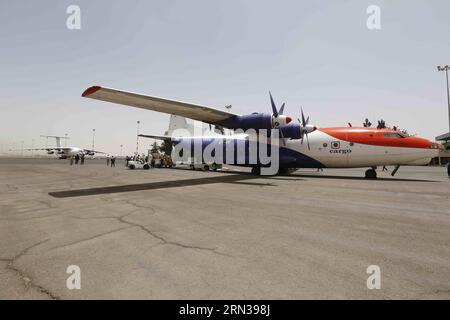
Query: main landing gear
{"x": 371, "y": 173}
{"x": 256, "y": 171}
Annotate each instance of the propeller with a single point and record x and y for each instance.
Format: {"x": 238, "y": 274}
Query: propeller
{"x": 305, "y": 128}
{"x": 277, "y": 113}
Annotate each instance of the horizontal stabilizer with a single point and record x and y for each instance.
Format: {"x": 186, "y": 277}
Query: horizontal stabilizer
{"x": 155, "y": 137}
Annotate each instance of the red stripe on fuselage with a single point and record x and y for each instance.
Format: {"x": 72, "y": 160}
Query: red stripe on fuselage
{"x": 376, "y": 137}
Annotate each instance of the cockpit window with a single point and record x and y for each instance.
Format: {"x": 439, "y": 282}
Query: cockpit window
{"x": 392, "y": 135}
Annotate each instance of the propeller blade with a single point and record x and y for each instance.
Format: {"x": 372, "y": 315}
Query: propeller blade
{"x": 307, "y": 141}
{"x": 307, "y": 120}
{"x": 281, "y": 110}
{"x": 301, "y": 129}
{"x": 303, "y": 119}
{"x": 282, "y": 138}
{"x": 274, "y": 108}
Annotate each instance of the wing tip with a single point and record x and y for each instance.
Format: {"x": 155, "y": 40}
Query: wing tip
{"x": 90, "y": 91}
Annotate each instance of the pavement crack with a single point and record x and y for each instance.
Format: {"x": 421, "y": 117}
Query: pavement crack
{"x": 164, "y": 241}
{"x": 47, "y": 203}
{"x": 140, "y": 206}
{"x": 92, "y": 218}
{"x": 11, "y": 187}
{"x": 28, "y": 281}
{"x": 88, "y": 239}
{"x": 31, "y": 218}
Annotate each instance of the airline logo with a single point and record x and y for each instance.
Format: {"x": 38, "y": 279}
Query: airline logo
{"x": 336, "y": 148}
{"x": 335, "y": 145}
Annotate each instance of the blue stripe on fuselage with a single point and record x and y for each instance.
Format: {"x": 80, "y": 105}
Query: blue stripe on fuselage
{"x": 288, "y": 158}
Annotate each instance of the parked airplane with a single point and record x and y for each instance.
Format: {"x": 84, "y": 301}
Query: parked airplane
{"x": 64, "y": 152}
{"x": 336, "y": 147}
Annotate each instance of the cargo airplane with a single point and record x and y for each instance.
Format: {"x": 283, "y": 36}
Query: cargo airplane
{"x": 63, "y": 152}
{"x": 333, "y": 147}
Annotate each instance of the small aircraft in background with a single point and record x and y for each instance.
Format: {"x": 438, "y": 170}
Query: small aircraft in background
{"x": 335, "y": 147}
{"x": 63, "y": 152}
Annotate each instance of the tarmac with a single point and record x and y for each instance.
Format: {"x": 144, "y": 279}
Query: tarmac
{"x": 183, "y": 234}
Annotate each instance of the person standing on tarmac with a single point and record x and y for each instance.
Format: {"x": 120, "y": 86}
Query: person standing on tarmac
{"x": 82, "y": 159}
{"x": 107, "y": 160}
{"x": 448, "y": 169}
{"x": 77, "y": 158}
{"x": 113, "y": 161}
{"x": 71, "y": 160}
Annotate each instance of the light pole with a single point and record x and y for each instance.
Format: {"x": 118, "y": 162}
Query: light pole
{"x": 93, "y": 139}
{"x": 121, "y": 148}
{"x": 446, "y": 68}
{"x": 137, "y": 138}
{"x": 65, "y": 140}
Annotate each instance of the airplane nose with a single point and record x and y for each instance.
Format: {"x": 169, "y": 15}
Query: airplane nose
{"x": 288, "y": 120}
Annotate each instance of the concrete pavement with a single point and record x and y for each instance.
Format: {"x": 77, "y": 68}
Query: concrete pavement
{"x": 180, "y": 234}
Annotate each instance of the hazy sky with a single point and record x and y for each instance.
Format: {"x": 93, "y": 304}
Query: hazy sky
{"x": 316, "y": 54}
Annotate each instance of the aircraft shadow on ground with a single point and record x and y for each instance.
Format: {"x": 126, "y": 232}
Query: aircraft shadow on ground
{"x": 321, "y": 176}
{"x": 234, "y": 178}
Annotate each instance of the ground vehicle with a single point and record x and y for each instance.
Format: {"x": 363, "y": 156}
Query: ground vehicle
{"x": 138, "y": 164}
{"x": 195, "y": 165}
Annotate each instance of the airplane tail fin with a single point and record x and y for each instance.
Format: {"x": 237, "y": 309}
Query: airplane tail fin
{"x": 58, "y": 140}
{"x": 176, "y": 122}
{"x": 179, "y": 122}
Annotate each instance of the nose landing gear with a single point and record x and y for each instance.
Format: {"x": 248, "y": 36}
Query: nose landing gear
{"x": 371, "y": 173}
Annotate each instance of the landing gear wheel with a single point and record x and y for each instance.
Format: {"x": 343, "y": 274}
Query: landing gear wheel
{"x": 132, "y": 167}
{"x": 256, "y": 171}
{"x": 214, "y": 167}
{"x": 371, "y": 174}
{"x": 146, "y": 167}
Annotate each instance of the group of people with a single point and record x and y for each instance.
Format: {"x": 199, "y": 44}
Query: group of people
{"x": 77, "y": 159}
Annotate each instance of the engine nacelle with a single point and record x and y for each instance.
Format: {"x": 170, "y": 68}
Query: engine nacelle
{"x": 296, "y": 131}
{"x": 280, "y": 121}
{"x": 256, "y": 121}
{"x": 91, "y": 153}
{"x": 292, "y": 130}
{"x": 50, "y": 152}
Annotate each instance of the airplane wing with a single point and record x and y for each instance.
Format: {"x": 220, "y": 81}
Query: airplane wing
{"x": 38, "y": 149}
{"x": 185, "y": 109}
{"x": 93, "y": 151}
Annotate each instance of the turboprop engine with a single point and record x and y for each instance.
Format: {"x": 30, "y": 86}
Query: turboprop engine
{"x": 258, "y": 120}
